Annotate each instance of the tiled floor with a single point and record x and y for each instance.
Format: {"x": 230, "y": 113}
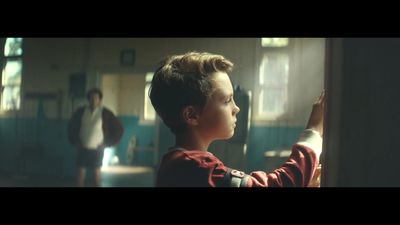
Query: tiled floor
{"x": 113, "y": 176}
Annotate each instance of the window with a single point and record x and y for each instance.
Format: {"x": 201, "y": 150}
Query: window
{"x": 274, "y": 42}
{"x": 149, "y": 112}
{"x": 11, "y": 74}
{"x": 272, "y": 84}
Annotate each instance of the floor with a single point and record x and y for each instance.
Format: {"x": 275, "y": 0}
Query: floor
{"x": 112, "y": 176}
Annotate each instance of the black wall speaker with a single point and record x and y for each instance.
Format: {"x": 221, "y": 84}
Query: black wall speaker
{"x": 77, "y": 85}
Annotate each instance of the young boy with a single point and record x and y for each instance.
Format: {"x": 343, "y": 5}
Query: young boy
{"x": 193, "y": 95}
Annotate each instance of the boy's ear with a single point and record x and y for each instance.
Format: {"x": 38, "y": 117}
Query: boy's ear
{"x": 190, "y": 115}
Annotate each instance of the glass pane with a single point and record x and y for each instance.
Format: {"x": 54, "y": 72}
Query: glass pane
{"x": 274, "y": 77}
{"x": 12, "y": 72}
{"x": 10, "y": 98}
{"x": 13, "y": 47}
{"x": 275, "y": 69}
{"x": 274, "y": 42}
{"x": 274, "y": 101}
{"x": 149, "y": 112}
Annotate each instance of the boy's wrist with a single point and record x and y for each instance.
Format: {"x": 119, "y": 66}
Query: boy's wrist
{"x": 311, "y": 139}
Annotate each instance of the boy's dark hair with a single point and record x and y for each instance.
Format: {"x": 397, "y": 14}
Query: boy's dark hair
{"x": 94, "y": 91}
{"x": 184, "y": 80}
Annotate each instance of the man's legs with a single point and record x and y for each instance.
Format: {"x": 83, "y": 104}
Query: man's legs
{"x": 81, "y": 177}
{"x": 97, "y": 176}
{"x": 98, "y": 162}
{"x": 92, "y": 160}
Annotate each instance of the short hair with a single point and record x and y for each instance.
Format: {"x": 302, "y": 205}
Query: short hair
{"x": 184, "y": 80}
{"x": 94, "y": 91}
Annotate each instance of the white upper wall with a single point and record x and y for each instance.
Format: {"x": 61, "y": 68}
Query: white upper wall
{"x": 48, "y": 62}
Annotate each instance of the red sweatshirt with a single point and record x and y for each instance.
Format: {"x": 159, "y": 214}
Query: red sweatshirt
{"x": 195, "y": 168}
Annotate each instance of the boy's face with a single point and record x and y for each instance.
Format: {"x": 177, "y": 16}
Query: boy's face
{"x": 217, "y": 121}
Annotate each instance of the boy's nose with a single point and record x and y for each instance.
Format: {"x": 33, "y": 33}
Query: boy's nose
{"x": 237, "y": 109}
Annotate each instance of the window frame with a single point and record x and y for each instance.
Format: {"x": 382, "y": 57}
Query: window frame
{"x": 4, "y": 60}
{"x": 147, "y": 102}
{"x": 258, "y": 88}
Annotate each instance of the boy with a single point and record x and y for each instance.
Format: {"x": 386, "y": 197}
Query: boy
{"x": 193, "y": 95}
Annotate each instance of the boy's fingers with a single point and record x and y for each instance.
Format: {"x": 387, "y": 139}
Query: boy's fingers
{"x": 317, "y": 171}
{"x": 321, "y": 97}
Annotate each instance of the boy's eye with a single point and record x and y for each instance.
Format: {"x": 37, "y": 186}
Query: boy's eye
{"x": 229, "y": 100}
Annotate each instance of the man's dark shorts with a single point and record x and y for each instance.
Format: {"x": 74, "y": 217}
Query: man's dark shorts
{"x": 90, "y": 158}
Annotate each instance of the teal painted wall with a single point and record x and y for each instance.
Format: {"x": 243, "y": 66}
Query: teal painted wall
{"x": 44, "y": 140}
{"x": 53, "y": 155}
{"x": 144, "y": 138}
{"x": 263, "y": 139}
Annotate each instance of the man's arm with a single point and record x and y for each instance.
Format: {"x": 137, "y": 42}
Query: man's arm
{"x": 74, "y": 127}
{"x": 114, "y": 128}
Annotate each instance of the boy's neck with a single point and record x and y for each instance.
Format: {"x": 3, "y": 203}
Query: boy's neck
{"x": 189, "y": 141}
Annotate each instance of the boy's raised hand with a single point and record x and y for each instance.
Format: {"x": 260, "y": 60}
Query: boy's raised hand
{"x": 316, "y": 180}
{"x": 316, "y": 120}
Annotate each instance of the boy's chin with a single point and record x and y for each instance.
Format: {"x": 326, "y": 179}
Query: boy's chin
{"x": 229, "y": 136}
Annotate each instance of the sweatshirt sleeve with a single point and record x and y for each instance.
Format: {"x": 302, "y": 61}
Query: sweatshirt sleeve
{"x": 297, "y": 171}
{"x": 203, "y": 169}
